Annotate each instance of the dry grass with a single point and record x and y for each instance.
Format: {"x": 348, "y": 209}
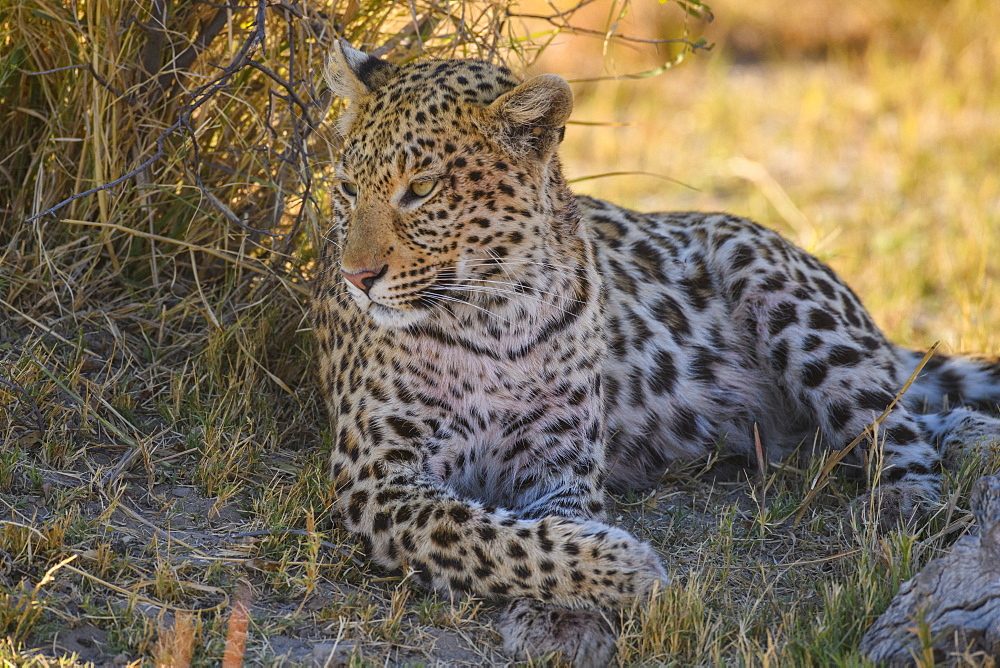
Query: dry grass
{"x": 160, "y": 434}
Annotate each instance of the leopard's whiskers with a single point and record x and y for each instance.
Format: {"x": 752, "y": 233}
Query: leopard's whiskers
{"x": 487, "y": 262}
{"x": 526, "y": 288}
{"x": 327, "y": 239}
{"x": 449, "y": 298}
{"x": 518, "y": 289}
{"x": 487, "y": 290}
{"x": 449, "y": 274}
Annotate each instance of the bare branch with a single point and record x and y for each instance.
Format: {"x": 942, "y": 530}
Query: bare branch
{"x": 121, "y": 179}
{"x": 90, "y": 68}
{"x": 576, "y": 30}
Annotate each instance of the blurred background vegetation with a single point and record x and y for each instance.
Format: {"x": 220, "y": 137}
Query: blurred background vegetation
{"x": 154, "y": 349}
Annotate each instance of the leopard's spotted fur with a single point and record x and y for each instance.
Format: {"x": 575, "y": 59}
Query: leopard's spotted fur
{"x": 495, "y": 353}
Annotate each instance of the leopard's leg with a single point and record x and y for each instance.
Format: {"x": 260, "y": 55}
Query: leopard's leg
{"x": 948, "y": 381}
{"x": 548, "y": 552}
{"x": 958, "y": 398}
{"x": 845, "y": 389}
{"x": 561, "y": 573}
{"x": 459, "y": 546}
{"x": 959, "y": 431}
{"x": 532, "y": 630}
{"x": 813, "y": 337}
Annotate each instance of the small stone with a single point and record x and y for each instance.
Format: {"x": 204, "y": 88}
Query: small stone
{"x": 332, "y": 655}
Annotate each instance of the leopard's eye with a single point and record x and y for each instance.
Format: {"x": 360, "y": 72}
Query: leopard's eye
{"x": 422, "y": 188}
{"x": 350, "y": 189}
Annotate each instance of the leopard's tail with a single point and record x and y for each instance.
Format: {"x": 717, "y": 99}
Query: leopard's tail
{"x": 951, "y": 381}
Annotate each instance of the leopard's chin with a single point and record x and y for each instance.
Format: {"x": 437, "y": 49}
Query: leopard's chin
{"x": 395, "y": 317}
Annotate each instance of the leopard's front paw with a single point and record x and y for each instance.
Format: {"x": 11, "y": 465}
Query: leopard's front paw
{"x": 532, "y": 630}
{"x": 613, "y": 567}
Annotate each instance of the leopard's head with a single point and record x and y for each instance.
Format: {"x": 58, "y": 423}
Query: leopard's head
{"x": 448, "y": 182}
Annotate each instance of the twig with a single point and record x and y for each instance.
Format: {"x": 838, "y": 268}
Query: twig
{"x": 289, "y": 88}
{"x": 90, "y": 68}
{"x": 131, "y": 593}
{"x": 551, "y": 18}
{"x": 121, "y": 179}
{"x": 162, "y": 533}
{"x": 694, "y": 46}
{"x": 280, "y": 533}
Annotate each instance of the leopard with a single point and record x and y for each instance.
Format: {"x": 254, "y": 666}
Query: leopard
{"x": 498, "y": 354}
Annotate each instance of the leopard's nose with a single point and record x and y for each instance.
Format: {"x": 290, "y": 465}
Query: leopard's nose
{"x": 365, "y": 279}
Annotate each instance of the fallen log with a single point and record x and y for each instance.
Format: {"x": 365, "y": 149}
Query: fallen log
{"x": 955, "y": 599}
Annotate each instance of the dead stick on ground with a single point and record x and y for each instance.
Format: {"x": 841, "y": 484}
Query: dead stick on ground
{"x": 132, "y": 594}
{"x": 951, "y": 608}
{"x": 239, "y": 621}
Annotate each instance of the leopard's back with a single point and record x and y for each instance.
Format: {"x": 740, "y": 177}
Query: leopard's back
{"x": 714, "y": 325}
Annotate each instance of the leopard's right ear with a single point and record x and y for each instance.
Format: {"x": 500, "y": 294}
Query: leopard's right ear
{"x": 532, "y": 116}
{"x": 354, "y": 74}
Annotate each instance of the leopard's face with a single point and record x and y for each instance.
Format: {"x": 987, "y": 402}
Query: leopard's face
{"x": 433, "y": 213}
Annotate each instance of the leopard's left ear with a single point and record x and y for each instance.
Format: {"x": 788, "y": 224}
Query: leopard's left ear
{"x": 355, "y": 74}
{"x": 532, "y": 117}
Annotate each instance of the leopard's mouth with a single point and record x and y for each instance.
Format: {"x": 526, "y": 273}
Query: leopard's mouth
{"x": 393, "y": 317}
{"x": 438, "y": 286}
